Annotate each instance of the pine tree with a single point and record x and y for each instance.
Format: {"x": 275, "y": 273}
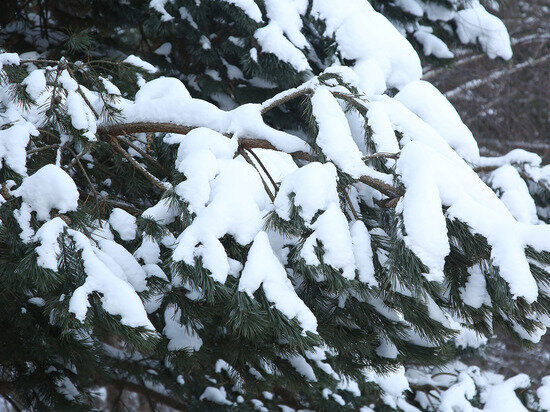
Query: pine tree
{"x": 302, "y": 251}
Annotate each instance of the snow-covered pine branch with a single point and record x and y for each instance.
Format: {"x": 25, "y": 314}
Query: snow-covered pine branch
{"x": 307, "y": 250}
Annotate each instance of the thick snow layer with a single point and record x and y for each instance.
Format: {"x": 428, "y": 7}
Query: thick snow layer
{"x": 123, "y": 223}
{"x": 118, "y": 297}
{"x": 334, "y": 137}
{"x": 272, "y": 40}
{"x": 167, "y": 100}
{"x": 13, "y": 143}
{"x": 502, "y": 397}
{"x": 314, "y": 189}
{"x": 331, "y": 229}
{"x": 149, "y": 252}
{"x": 347, "y": 21}
{"x": 514, "y": 193}
{"x": 110, "y": 87}
{"x": 132, "y": 269}
{"x": 49, "y": 246}
{"x": 180, "y": 335}
{"x": 232, "y": 209}
{"x": 286, "y": 13}
{"x": 216, "y": 395}
{"x": 49, "y": 188}
{"x": 136, "y": 61}
{"x": 516, "y": 156}
{"x": 475, "y": 293}
{"x": 35, "y": 83}
{"x": 263, "y": 268}
{"x": 433, "y": 45}
{"x": 9, "y": 58}
{"x": 475, "y": 24}
{"x": 410, "y": 6}
{"x": 362, "y": 251}
{"x": 458, "y": 396}
{"x": 82, "y": 117}
{"x": 302, "y": 367}
{"x": 430, "y": 105}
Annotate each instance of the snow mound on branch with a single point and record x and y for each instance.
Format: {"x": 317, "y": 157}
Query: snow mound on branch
{"x": 362, "y": 251}
{"x": 272, "y": 40}
{"x": 133, "y": 271}
{"x": 332, "y": 231}
{"x": 314, "y": 189}
{"x": 48, "y": 250}
{"x": 35, "y": 83}
{"x": 335, "y": 138}
{"x": 286, "y": 13}
{"x": 142, "y": 64}
{"x": 123, "y": 223}
{"x": 237, "y": 199}
{"x": 167, "y": 100}
{"x": 13, "y": 143}
{"x": 475, "y": 24}
{"x": 249, "y": 7}
{"x": 433, "y": 45}
{"x": 82, "y": 117}
{"x": 50, "y": 187}
{"x": 351, "y": 20}
{"x": 9, "y": 58}
{"x": 514, "y": 193}
{"x": 262, "y": 268}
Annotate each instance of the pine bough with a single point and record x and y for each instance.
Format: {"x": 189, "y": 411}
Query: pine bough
{"x": 200, "y": 255}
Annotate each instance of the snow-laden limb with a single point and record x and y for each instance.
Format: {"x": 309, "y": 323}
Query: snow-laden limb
{"x": 475, "y": 24}
{"x": 118, "y": 296}
{"x": 440, "y": 182}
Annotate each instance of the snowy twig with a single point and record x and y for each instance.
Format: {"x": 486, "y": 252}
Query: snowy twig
{"x": 284, "y": 97}
{"x": 79, "y": 90}
{"x": 154, "y": 181}
{"x": 350, "y": 204}
{"x": 143, "y": 153}
{"x": 39, "y": 149}
{"x": 381, "y": 154}
{"x": 81, "y": 168}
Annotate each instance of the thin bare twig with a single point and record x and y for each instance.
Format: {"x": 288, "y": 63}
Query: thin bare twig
{"x": 152, "y": 179}
{"x": 264, "y": 169}
{"x": 284, "y": 97}
{"x": 243, "y": 153}
{"x": 143, "y": 153}
{"x": 379, "y": 155}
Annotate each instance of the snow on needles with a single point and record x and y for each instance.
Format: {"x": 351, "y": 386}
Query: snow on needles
{"x": 263, "y": 268}
{"x": 50, "y": 187}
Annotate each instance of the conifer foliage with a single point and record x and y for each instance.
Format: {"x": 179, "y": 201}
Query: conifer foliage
{"x": 271, "y": 210}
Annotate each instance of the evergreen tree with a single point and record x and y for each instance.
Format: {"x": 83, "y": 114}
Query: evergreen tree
{"x": 301, "y": 251}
